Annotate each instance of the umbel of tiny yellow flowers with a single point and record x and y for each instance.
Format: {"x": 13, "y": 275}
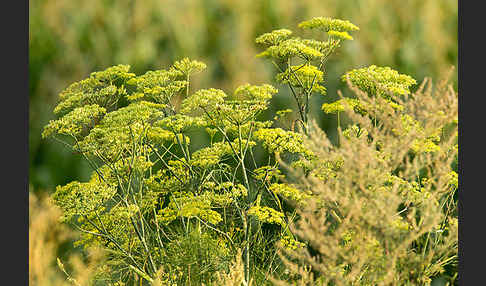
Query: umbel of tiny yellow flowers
{"x": 151, "y": 185}
{"x": 307, "y": 77}
{"x": 328, "y": 24}
{"x": 283, "y": 47}
{"x": 375, "y": 81}
{"x": 334, "y": 27}
{"x": 188, "y": 67}
{"x": 381, "y": 81}
{"x": 274, "y": 38}
{"x": 146, "y": 175}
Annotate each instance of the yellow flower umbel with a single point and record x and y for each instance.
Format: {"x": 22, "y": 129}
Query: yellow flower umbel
{"x": 380, "y": 81}
{"x": 328, "y": 24}
{"x": 308, "y": 77}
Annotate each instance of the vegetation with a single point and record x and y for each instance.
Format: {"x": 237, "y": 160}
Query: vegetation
{"x": 47, "y": 237}
{"x": 385, "y": 198}
{"x": 70, "y": 39}
{"x": 264, "y": 200}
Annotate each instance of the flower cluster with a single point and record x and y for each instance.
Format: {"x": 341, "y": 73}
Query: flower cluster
{"x": 80, "y": 199}
{"x": 267, "y": 215}
{"x": 308, "y": 77}
{"x": 188, "y": 67}
{"x": 103, "y": 88}
{"x": 381, "y": 81}
{"x": 203, "y": 100}
{"x": 268, "y": 173}
{"x": 210, "y": 156}
{"x": 289, "y": 192}
{"x": 341, "y": 105}
{"x": 328, "y": 24}
{"x": 118, "y": 129}
{"x": 180, "y": 123}
{"x": 189, "y": 206}
{"x": 159, "y": 86}
{"x": 279, "y": 140}
{"x": 290, "y": 243}
{"x": 76, "y": 122}
{"x": 291, "y": 48}
{"x": 274, "y": 38}
{"x": 335, "y": 28}
{"x": 305, "y": 76}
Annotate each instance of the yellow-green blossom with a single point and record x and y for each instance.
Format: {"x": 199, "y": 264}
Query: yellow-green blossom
{"x": 210, "y": 156}
{"x": 180, "y": 123}
{"x": 159, "y": 86}
{"x": 267, "y": 215}
{"x": 291, "y": 48}
{"x": 274, "y": 37}
{"x": 304, "y": 76}
{"x": 203, "y": 100}
{"x": 382, "y": 81}
{"x": 289, "y": 192}
{"x": 279, "y": 140}
{"x": 290, "y": 243}
{"x": 189, "y": 67}
{"x": 328, "y": 24}
{"x": 341, "y": 105}
{"x": 103, "y": 88}
{"x": 340, "y": 35}
{"x": 76, "y": 122}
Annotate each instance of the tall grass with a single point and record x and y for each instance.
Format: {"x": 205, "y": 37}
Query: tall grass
{"x": 47, "y": 237}
{"x": 385, "y": 211}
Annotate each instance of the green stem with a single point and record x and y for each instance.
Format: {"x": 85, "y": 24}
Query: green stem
{"x": 338, "y": 125}
{"x": 247, "y": 249}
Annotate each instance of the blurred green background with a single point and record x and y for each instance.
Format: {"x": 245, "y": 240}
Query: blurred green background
{"x": 68, "y": 39}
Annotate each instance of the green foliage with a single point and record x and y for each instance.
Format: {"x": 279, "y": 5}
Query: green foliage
{"x": 384, "y": 207}
{"x": 188, "y": 67}
{"x": 328, "y": 24}
{"x": 291, "y": 48}
{"x": 194, "y": 257}
{"x": 159, "y": 86}
{"x": 167, "y": 210}
{"x": 76, "y": 122}
{"x": 274, "y": 38}
{"x": 277, "y": 140}
{"x": 69, "y": 39}
{"x": 149, "y": 189}
{"x": 381, "y": 81}
{"x": 341, "y": 105}
{"x": 289, "y": 192}
{"x": 266, "y": 214}
{"x": 306, "y": 78}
